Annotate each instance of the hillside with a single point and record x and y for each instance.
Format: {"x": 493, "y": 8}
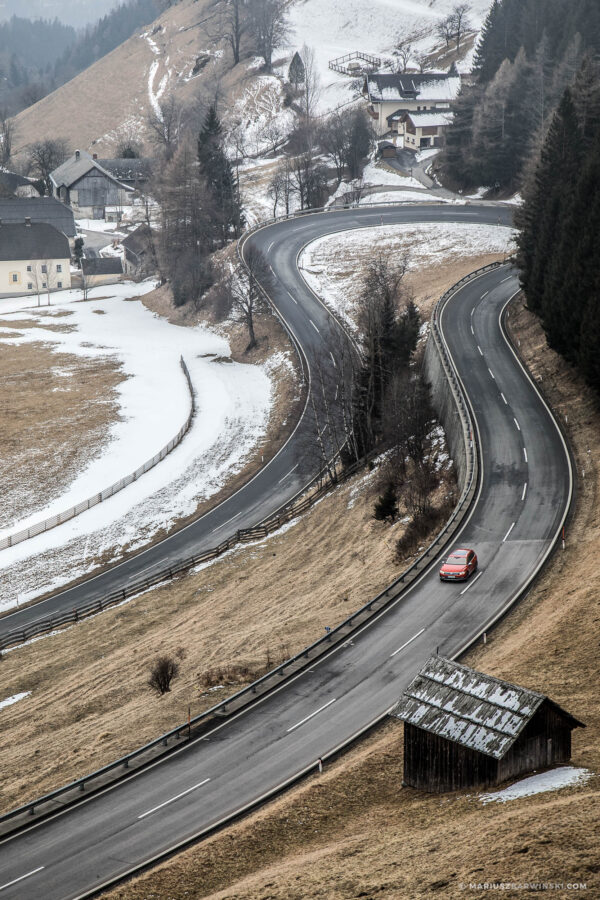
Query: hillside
{"x": 114, "y": 96}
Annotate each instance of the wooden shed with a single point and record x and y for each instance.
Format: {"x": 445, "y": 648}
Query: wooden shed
{"x": 463, "y": 729}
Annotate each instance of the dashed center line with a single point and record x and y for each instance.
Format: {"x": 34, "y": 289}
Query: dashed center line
{"x": 333, "y": 359}
{"x": 413, "y": 638}
{"x": 516, "y": 423}
{"x": 472, "y": 330}
{"x": 508, "y": 532}
{"x": 173, "y": 799}
{"x": 480, "y": 350}
{"x": 504, "y": 398}
{"x": 483, "y": 296}
{"x": 314, "y": 326}
{"x": 525, "y": 453}
{"x": 306, "y": 718}
{"x": 288, "y": 473}
{"x": 292, "y": 298}
{"x": 21, "y": 877}
{"x": 270, "y": 245}
{"x": 471, "y": 583}
{"x": 491, "y": 373}
{"x": 524, "y": 491}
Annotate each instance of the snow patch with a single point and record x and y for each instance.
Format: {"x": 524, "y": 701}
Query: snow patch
{"x": 14, "y": 699}
{"x": 553, "y": 780}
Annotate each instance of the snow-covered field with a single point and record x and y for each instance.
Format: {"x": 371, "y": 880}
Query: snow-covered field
{"x": 553, "y": 780}
{"x": 336, "y": 27}
{"x": 233, "y": 405}
{"x": 329, "y": 263}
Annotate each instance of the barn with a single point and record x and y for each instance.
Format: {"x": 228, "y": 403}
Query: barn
{"x": 464, "y": 729}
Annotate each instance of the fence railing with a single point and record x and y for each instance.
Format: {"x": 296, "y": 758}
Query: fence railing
{"x": 204, "y": 721}
{"x": 340, "y": 64}
{"x": 58, "y": 519}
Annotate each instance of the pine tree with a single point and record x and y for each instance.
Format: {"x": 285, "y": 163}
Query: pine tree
{"x": 386, "y": 505}
{"x": 296, "y": 72}
{"x": 218, "y": 174}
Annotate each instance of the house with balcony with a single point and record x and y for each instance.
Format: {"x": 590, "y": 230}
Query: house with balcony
{"x": 393, "y": 94}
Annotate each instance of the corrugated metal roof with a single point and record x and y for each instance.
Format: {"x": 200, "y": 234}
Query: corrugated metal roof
{"x": 462, "y": 705}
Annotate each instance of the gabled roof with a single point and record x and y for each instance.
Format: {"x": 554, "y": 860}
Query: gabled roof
{"x": 35, "y": 241}
{"x": 423, "y": 86}
{"x": 101, "y": 265}
{"x": 475, "y": 710}
{"x": 47, "y": 210}
{"x": 138, "y": 241}
{"x": 13, "y": 181}
{"x": 78, "y": 165}
{"x": 429, "y": 119}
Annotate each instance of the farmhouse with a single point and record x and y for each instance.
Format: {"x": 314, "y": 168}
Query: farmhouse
{"x": 87, "y": 187}
{"x": 34, "y": 258}
{"x": 463, "y": 729}
{"x": 418, "y": 130}
{"x": 39, "y": 210}
{"x": 392, "y": 94}
{"x": 138, "y": 251}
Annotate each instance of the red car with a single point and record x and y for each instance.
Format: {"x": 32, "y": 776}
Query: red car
{"x": 459, "y": 565}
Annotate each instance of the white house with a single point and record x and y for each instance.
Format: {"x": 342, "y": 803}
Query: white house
{"x": 390, "y": 95}
{"x": 417, "y": 130}
{"x": 34, "y": 258}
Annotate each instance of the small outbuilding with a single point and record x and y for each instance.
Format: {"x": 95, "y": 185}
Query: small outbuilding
{"x": 386, "y": 149}
{"x": 101, "y": 270}
{"x": 463, "y": 729}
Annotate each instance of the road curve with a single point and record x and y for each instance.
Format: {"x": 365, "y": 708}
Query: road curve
{"x": 281, "y": 479}
{"x": 524, "y": 492}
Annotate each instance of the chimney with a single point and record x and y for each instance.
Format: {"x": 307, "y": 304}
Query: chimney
{"x": 28, "y": 221}
{"x": 77, "y": 154}
{"x": 95, "y": 156}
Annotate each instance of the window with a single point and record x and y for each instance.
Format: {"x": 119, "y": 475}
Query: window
{"x": 29, "y": 286}
{"x": 59, "y": 267}
{"x": 44, "y": 284}
{"x": 15, "y": 277}
{"x": 29, "y": 269}
{"x": 59, "y": 284}
{"x": 44, "y": 269}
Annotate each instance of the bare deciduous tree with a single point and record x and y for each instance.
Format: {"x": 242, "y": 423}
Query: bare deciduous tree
{"x": 6, "y": 137}
{"x": 311, "y": 86}
{"x": 459, "y": 19}
{"x": 280, "y": 187}
{"x": 162, "y": 673}
{"x": 403, "y": 53}
{"x": 165, "y": 125}
{"x": 246, "y": 286}
{"x": 268, "y": 26}
{"x": 45, "y": 156}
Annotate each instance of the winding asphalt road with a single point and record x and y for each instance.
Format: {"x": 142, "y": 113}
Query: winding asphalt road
{"x": 279, "y": 481}
{"x": 524, "y": 492}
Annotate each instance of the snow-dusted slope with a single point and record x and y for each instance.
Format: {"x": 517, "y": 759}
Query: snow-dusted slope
{"x": 336, "y": 27}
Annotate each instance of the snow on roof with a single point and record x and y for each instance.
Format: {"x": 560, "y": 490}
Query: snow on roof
{"x": 429, "y": 119}
{"x": 475, "y": 710}
{"x": 428, "y": 86}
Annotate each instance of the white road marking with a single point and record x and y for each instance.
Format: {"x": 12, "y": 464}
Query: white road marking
{"x": 15, "y": 880}
{"x": 472, "y": 330}
{"x": 473, "y": 310}
{"x": 320, "y": 709}
{"x": 508, "y": 277}
{"x": 289, "y": 473}
{"x": 333, "y": 359}
{"x": 504, "y": 398}
{"x": 471, "y": 583}
{"x": 516, "y": 423}
{"x": 525, "y": 453}
{"x": 524, "y": 491}
{"x": 336, "y": 391}
{"x": 483, "y": 296}
{"x": 172, "y": 800}
{"x": 227, "y": 522}
{"x": 413, "y": 638}
{"x": 272, "y": 270}
{"x": 270, "y": 245}
{"x": 491, "y": 373}
{"x": 292, "y": 298}
{"x": 508, "y": 532}
{"x": 314, "y": 326}
{"x": 480, "y": 350}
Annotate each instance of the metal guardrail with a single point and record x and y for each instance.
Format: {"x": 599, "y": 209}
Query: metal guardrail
{"x": 216, "y": 714}
{"x": 58, "y": 519}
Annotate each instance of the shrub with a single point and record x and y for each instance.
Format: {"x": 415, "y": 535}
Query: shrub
{"x": 386, "y": 505}
{"x": 162, "y": 673}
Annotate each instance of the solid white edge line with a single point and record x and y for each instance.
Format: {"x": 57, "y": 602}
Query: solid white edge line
{"x": 504, "y": 398}
{"x": 172, "y": 799}
{"x": 313, "y": 325}
{"x": 471, "y": 583}
{"x": 28, "y": 875}
{"x": 524, "y": 491}
{"x": 302, "y": 721}
{"x": 508, "y": 532}
{"x": 288, "y": 473}
{"x": 413, "y": 638}
{"x": 516, "y": 423}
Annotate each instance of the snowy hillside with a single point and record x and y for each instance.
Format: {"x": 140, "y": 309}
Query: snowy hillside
{"x": 336, "y": 27}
